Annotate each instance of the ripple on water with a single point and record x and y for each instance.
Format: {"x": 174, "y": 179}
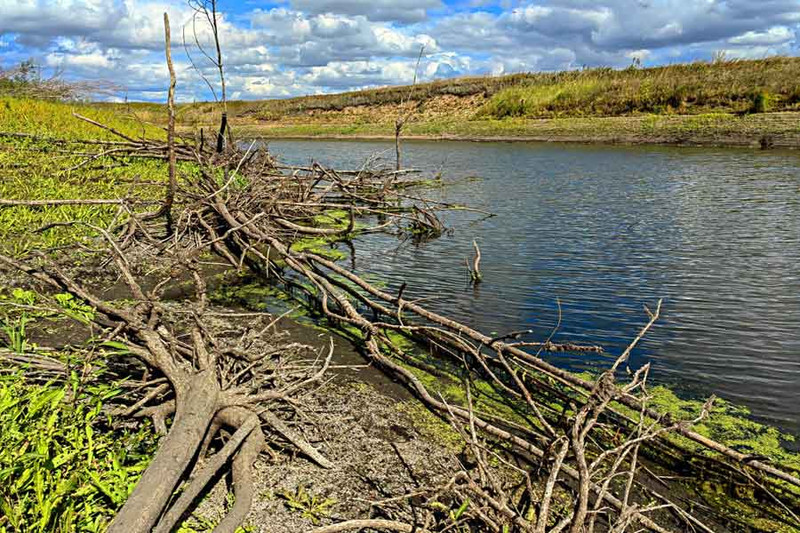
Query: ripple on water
{"x": 606, "y": 230}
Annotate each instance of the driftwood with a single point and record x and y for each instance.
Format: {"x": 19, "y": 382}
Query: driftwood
{"x": 574, "y": 450}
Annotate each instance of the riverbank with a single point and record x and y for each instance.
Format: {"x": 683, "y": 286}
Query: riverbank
{"x": 723, "y": 103}
{"x": 778, "y": 130}
{"x": 328, "y": 288}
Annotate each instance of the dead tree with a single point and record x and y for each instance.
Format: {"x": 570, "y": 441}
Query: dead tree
{"x": 172, "y": 186}
{"x": 404, "y": 116}
{"x": 215, "y": 385}
{"x": 207, "y": 9}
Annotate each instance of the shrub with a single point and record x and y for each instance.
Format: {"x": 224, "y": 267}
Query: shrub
{"x": 761, "y": 102}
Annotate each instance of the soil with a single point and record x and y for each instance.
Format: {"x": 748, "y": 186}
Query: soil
{"x": 378, "y": 453}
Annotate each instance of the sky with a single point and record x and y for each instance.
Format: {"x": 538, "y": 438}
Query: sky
{"x": 283, "y": 48}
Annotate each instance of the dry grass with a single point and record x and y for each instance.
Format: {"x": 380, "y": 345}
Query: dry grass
{"x": 738, "y": 87}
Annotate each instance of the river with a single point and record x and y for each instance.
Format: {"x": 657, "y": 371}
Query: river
{"x": 604, "y": 231}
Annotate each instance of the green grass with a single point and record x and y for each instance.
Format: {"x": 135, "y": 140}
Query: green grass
{"x": 33, "y": 168}
{"x": 55, "y": 119}
{"x": 60, "y": 469}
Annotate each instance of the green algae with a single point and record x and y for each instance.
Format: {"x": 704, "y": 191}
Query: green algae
{"x": 253, "y": 295}
{"x": 729, "y": 424}
{"x": 333, "y": 218}
{"x": 431, "y": 426}
{"x": 323, "y": 246}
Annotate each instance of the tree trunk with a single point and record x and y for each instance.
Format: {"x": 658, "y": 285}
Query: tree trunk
{"x": 397, "y": 131}
{"x": 195, "y": 411}
{"x": 173, "y": 180}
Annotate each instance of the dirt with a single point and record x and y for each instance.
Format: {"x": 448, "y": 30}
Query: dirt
{"x": 439, "y": 107}
{"x": 377, "y": 450}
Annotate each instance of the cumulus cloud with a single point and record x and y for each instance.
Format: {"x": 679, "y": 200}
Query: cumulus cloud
{"x": 404, "y": 11}
{"x": 316, "y": 40}
{"x": 611, "y": 32}
{"x": 772, "y": 36}
{"x": 299, "y": 47}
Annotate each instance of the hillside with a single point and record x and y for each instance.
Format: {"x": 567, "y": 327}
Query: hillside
{"x": 716, "y": 103}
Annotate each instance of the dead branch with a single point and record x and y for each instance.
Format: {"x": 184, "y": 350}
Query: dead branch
{"x": 173, "y": 180}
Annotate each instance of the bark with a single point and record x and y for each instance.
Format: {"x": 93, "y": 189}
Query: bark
{"x": 195, "y": 411}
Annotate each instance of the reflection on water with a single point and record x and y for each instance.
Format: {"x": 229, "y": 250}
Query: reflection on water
{"x": 606, "y": 230}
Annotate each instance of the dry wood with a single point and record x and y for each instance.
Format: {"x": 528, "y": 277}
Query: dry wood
{"x": 172, "y": 186}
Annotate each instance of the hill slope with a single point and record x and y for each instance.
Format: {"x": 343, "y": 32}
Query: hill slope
{"x": 728, "y": 103}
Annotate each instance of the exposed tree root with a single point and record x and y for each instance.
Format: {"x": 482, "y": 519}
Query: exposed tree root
{"x": 569, "y": 439}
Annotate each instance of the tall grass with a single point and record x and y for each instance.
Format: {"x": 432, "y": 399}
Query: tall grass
{"x": 730, "y": 87}
{"x": 55, "y": 119}
{"x": 694, "y": 88}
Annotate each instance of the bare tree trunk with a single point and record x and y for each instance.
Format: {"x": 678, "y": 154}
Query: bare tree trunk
{"x": 221, "y": 135}
{"x": 401, "y": 119}
{"x": 398, "y": 128}
{"x": 196, "y": 410}
{"x": 173, "y": 181}
{"x": 223, "y": 127}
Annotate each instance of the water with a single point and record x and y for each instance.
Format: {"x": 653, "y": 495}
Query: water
{"x": 604, "y": 231}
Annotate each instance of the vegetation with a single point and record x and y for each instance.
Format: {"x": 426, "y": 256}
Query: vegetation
{"x": 34, "y": 167}
{"x": 696, "y": 88}
{"x": 26, "y": 80}
{"x": 309, "y": 505}
{"x": 62, "y": 467}
{"x": 720, "y": 102}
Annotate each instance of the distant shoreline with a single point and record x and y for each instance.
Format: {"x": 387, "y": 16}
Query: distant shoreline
{"x": 768, "y": 130}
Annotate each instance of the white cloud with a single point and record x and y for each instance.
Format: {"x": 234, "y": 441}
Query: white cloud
{"x": 404, "y": 11}
{"x": 312, "y": 46}
{"x": 775, "y": 35}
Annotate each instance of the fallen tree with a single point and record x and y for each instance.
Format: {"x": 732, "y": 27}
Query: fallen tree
{"x": 583, "y": 441}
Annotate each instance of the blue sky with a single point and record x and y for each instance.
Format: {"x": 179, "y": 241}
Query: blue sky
{"x": 287, "y": 48}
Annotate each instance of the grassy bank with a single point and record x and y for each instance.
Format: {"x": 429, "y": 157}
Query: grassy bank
{"x": 33, "y": 167}
{"x": 86, "y": 466}
{"x": 768, "y": 130}
{"x": 737, "y": 103}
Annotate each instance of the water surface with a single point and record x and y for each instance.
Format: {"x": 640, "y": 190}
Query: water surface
{"x": 604, "y": 231}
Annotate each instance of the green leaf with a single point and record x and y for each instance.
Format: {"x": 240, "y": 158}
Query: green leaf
{"x": 122, "y": 348}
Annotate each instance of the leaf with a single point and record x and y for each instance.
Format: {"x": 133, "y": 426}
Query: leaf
{"x": 122, "y": 348}
{"x": 460, "y": 511}
{"x": 53, "y": 397}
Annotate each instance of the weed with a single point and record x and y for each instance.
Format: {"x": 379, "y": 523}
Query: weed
{"x": 310, "y": 506}
{"x": 14, "y": 330}
{"x": 57, "y": 473}
{"x": 75, "y": 309}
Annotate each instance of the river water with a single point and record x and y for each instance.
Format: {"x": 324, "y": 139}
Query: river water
{"x": 604, "y": 231}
